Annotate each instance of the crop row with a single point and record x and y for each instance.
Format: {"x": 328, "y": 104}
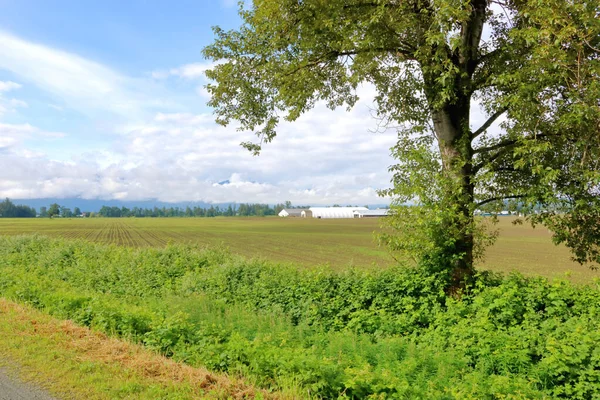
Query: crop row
{"x": 117, "y": 232}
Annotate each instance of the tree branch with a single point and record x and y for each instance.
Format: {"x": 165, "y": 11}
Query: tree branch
{"x": 332, "y": 55}
{"x": 496, "y": 146}
{"x": 488, "y": 55}
{"x": 504, "y": 148}
{"x": 471, "y": 32}
{"x": 504, "y": 169}
{"x": 477, "y": 168}
{"x": 489, "y": 122}
{"x": 486, "y": 201}
{"x": 369, "y": 4}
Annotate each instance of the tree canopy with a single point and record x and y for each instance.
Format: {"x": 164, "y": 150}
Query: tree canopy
{"x": 53, "y": 210}
{"x": 9, "y": 210}
{"x": 532, "y": 66}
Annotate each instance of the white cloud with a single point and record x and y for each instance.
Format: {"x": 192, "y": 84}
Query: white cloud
{"x": 6, "y": 105}
{"x": 6, "y": 142}
{"x": 18, "y": 103}
{"x": 203, "y": 92}
{"x": 192, "y": 71}
{"x": 186, "y": 71}
{"x": 6, "y": 86}
{"x": 228, "y": 3}
{"x": 79, "y": 83}
{"x": 186, "y": 119}
{"x": 160, "y": 74}
{"x": 12, "y": 135}
{"x": 323, "y": 158}
{"x": 234, "y": 3}
{"x": 10, "y": 106}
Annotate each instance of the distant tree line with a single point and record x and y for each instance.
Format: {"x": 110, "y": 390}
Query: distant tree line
{"x": 239, "y": 210}
{"x": 56, "y": 210}
{"x": 9, "y": 210}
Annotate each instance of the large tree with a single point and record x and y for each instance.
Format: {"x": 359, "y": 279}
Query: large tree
{"x": 53, "y": 210}
{"x": 532, "y": 66}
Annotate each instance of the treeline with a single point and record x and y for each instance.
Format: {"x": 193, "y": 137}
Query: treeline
{"x": 9, "y": 210}
{"x": 237, "y": 210}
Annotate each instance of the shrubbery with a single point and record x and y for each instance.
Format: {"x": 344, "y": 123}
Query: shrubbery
{"x": 380, "y": 334}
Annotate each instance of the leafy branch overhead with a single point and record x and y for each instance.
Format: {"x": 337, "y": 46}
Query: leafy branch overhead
{"x": 532, "y": 66}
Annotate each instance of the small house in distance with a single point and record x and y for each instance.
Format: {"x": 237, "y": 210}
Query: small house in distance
{"x": 380, "y": 212}
{"x": 291, "y": 212}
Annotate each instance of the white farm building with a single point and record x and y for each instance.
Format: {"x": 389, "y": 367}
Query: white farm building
{"x": 333, "y": 212}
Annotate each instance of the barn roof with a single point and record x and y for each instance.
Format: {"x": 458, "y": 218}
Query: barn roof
{"x": 296, "y": 212}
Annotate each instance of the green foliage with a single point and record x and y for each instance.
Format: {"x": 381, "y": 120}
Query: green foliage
{"x": 242, "y": 210}
{"x": 9, "y": 210}
{"x": 53, "y": 210}
{"x": 385, "y": 334}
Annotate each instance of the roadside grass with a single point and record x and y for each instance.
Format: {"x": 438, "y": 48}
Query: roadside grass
{"x": 74, "y": 362}
{"x": 336, "y": 243}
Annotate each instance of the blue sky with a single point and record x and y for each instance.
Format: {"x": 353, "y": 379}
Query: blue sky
{"x": 105, "y": 99}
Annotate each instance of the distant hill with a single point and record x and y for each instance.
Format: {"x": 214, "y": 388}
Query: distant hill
{"x": 94, "y": 205}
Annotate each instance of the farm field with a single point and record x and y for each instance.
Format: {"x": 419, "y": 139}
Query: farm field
{"x": 340, "y": 243}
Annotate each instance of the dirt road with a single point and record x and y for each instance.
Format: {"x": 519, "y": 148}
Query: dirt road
{"x": 12, "y": 389}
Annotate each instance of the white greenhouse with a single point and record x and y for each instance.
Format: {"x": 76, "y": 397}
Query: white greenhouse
{"x": 335, "y": 212}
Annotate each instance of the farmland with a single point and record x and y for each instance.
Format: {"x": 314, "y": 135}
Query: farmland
{"x": 338, "y": 243}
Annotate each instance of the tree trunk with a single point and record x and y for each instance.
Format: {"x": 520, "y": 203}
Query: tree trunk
{"x": 451, "y": 126}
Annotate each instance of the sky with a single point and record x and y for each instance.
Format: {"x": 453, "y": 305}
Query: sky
{"x": 106, "y": 100}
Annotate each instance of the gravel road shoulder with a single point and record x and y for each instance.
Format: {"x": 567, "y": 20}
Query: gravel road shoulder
{"x": 12, "y": 389}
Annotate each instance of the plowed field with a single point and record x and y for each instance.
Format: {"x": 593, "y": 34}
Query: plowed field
{"x": 340, "y": 243}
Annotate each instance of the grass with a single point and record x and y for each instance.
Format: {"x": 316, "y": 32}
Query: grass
{"x": 339, "y": 243}
{"x": 73, "y": 362}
